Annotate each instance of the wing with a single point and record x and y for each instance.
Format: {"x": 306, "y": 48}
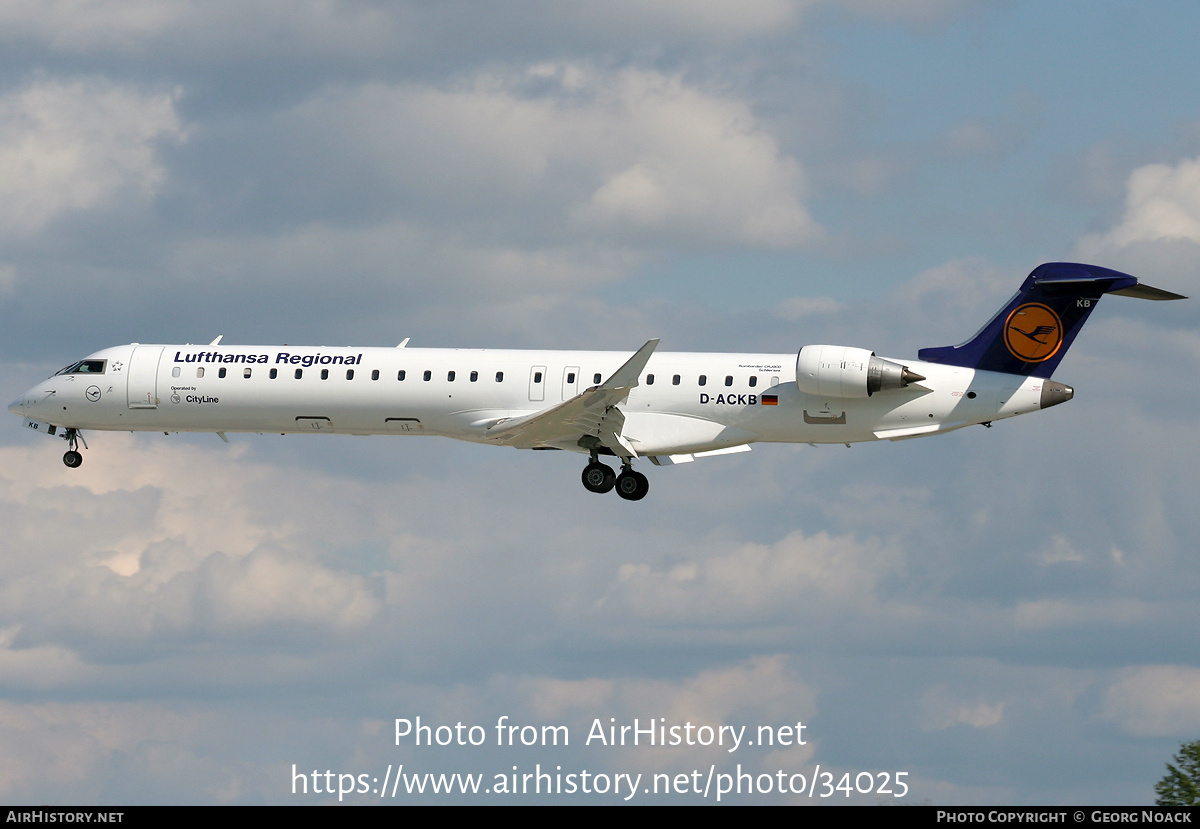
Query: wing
{"x": 592, "y": 412}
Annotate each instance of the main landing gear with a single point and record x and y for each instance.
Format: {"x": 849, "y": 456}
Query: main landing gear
{"x": 598, "y": 477}
{"x": 72, "y": 458}
{"x": 630, "y": 485}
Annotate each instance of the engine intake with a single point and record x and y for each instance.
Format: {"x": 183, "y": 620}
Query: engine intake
{"x": 842, "y": 371}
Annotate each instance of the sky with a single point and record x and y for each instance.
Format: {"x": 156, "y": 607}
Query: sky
{"x": 995, "y": 616}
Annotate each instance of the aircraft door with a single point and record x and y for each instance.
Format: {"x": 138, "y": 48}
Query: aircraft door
{"x": 142, "y": 379}
{"x": 537, "y": 383}
{"x": 570, "y": 384}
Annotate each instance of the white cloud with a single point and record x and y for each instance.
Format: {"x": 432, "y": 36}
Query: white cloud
{"x": 765, "y": 685}
{"x": 121, "y": 751}
{"x": 78, "y": 145}
{"x": 798, "y": 307}
{"x": 1058, "y": 550}
{"x": 763, "y": 691}
{"x": 365, "y": 30}
{"x": 680, "y": 160}
{"x": 1155, "y": 701}
{"x": 910, "y": 11}
{"x": 961, "y": 289}
{"x": 709, "y": 19}
{"x": 148, "y": 543}
{"x": 822, "y": 578}
{"x": 1162, "y": 203}
{"x": 972, "y": 138}
{"x": 397, "y": 253}
{"x": 632, "y": 155}
{"x": 8, "y": 278}
{"x": 943, "y": 708}
{"x": 141, "y": 26}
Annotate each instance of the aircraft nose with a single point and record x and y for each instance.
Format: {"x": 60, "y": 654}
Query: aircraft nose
{"x": 17, "y": 407}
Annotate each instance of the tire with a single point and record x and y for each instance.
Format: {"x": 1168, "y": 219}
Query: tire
{"x": 632, "y": 486}
{"x": 73, "y": 459}
{"x": 598, "y": 477}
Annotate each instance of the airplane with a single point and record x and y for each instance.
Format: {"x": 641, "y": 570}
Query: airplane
{"x": 668, "y": 408}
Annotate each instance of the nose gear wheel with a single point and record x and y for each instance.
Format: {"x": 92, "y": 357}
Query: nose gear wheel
{"x": 73, "y": 458}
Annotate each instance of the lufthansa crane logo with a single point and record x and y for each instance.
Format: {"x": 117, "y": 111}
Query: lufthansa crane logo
{"x": 1033, "y": 332}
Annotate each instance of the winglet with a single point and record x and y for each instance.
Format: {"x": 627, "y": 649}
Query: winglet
{"x": 626, "y": 377}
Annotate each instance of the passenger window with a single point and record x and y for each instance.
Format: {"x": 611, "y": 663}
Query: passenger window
{"x": 375, "y": 374}
{"x": 400, "y": 374}
{"x": 537, "y": 377}
{"x": 474, "y": 376}
{"x": 595, "y": 379}
{"x": 649, "y": 379}
{"x": 175, "y": 371}
{"x": 774, "y": 381}
{"x": 349, "y": 374}
{"x": 221, "y": 372}
{"x": 703, "y": 380}
{"x": 499, "y": 376}
{"x": 753, "y": 381}
{"x": 246, "y": 374}
{"x": 199, "y": 371}
{"x": 428, "y": 375}
{"x": 274, "y": 373}
{"x": 450, "y": 376}
{"x": 324, "y": 374}
{"x": 570, "y": 377}
{"x": 299, "y": 373}
{"x": 675, "y": 380}
{"x": 729, "y": 379}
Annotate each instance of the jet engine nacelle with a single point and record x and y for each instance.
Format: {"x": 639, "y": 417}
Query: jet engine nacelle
{"x": 842, "y": 371}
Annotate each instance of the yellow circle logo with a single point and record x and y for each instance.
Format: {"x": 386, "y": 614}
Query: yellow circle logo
{"x": 1033, "y": 332}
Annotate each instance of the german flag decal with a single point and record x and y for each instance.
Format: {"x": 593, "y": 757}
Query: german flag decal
{"x": 770, "y": 399}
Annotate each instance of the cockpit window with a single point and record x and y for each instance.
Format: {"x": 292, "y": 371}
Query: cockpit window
{"x": 83, "y": 367}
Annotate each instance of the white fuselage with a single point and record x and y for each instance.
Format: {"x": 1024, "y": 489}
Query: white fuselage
{"x": 683, "y": 403}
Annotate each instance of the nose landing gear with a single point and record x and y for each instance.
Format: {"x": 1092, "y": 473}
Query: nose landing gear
{"x": 73, "y": 458}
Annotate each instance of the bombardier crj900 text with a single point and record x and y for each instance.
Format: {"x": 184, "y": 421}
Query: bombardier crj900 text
{"x": 667, "y": 407}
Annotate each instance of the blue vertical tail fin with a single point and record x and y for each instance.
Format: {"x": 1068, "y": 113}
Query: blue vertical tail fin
{"x": 1031, "y": 334}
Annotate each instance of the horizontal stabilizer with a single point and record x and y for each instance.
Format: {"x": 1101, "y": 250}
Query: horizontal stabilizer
{"x": 1146, "y": 292}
